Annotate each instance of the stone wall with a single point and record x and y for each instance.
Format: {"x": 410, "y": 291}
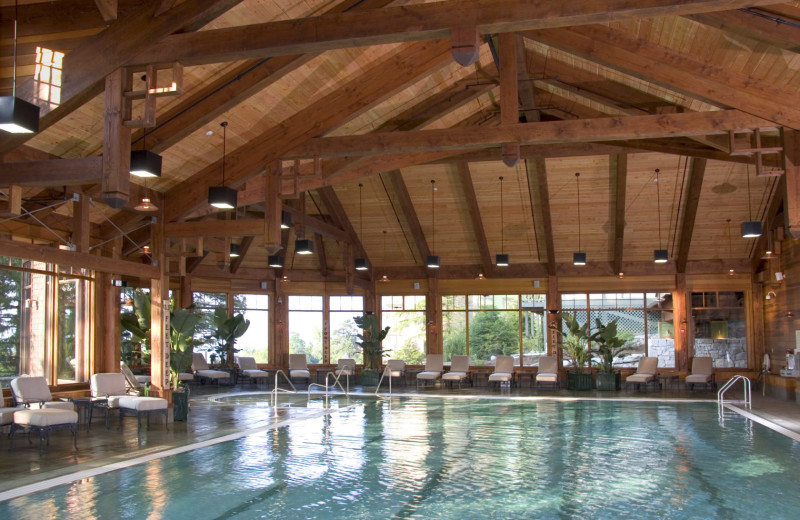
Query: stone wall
{"x": 726, "y": 353}
{"x": 664, "y": 350}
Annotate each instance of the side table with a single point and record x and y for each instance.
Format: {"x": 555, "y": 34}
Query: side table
{"x": 85, "y": 407}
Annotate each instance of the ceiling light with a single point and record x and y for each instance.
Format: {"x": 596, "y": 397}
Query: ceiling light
{"x": 146, "y": 205}
{"x": 501, "y": 260}
{"x": 433, "y": 260}
{"x": 384, "y": 279}
{"x": 222, "y": 197}
{"x": 286, "y": 220}
{"x": 751, "y": 228}
{"x": 579, "y": 258}
{"x": 660, "y": 256}
{"x": 235, "y": 251}
{"x": 303, "y": 247}
{"x": 17, "y": 116}
{"x": 275, "y": 261}
{"x": 361, "y": 264}
{"x": 145, "y": 163}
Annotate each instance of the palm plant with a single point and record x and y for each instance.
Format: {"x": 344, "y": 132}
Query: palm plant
{"x": 228, "y": 330}
{"x": 370, "y": 339}
{"x": 607, "y": 344}
{"x": 574, "y": 341}
{"x": 181, "y": 343}
{"x": 137, "y": 323}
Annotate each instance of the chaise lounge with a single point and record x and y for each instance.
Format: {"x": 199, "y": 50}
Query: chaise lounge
{"x": 112, "y": 388}
{"x": 646, "y": 372}
{"x": 459, "y": 371}
{"x": 434, "y": 365}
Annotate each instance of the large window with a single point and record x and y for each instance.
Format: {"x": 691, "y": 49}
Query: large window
{"x": 644, "y": 320}
{"x": 254, "y": 342}
{"x": 305, "y": 327}
{"x": 486, "y": 326}
{"x": 11, "y": 307}
{"x": 344, "y": 330}
{"x": 719, "y": 328}
{"x": 206, "y": 303}
{"x": 406, "y": 317}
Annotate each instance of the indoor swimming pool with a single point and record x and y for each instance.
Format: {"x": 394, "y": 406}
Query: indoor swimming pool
{"x": 425, "y": 458}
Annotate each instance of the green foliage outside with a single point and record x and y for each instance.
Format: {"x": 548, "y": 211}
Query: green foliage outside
{"x": 227, "y": 329}
{"x": 574, "y": 341}
{"x": 297, "y": 345}
{"x": 66, "y": 330}
{"x": 10, "y": 298}
{"x": 344, "y": 342}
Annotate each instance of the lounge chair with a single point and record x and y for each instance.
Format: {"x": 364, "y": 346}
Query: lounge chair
{"x": 137, "y": 383}
{"x": 646, "y": 372}
{"x": 548, "y": 371}
{"x": 459, "y": 371}
{"x": 702, "y": 372}
{"x": 249, "y": 368}
{"x": 434, "y": 365}
{"x": 112, "y": 388}
{"x": 396, "y": 368}
{"x": 503, "y": 371}
{"x": 298, "y": 368}
{"x": 203, "y": 371}
{"x": 345, "y": 367}
{"x": 33, "y": 392}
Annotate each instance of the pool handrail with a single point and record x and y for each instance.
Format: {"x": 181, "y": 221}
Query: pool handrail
{"x": 326, "y": 386}
{"x": 387, "y": 368}
{"x": 748, "y": 399}
{"x": 277, "y": 389}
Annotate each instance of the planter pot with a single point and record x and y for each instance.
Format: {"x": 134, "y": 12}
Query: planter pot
{"x": 180, "y": 404}
{"x": 608, "y": 380}
{"x": 370, "y": 377}
{"x": 577, "y": 381}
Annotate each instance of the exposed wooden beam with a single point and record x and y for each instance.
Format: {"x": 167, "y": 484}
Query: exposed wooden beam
{"x": 339, "y": 217}
{"x": 116, "y": 142}
{"x": 408, "y": 23}
{"x": 791, "y": 153}
{"x": 621, "y": 181}
{"x": 193, "y": 262}
{"x": 600, "y": 129}
{"x": 475, "y": 217}
{"x": 245, "y": 227}
{"x": 678, "y": 71}
{"x": 536, "y": 170}
{"x": 691, "y": 203}
{"x": 740, "y": 23}
{"x": 61, "y": 172}
{"x": 80, "y": 217}
{"x": 108, "y": 9}
{"x": 377, "y": 83}
{"x": 244, "y": 247}
{"x": 407, "y": 210}
{"x": 319, "y": 244}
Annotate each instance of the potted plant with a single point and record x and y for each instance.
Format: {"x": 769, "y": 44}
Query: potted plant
{"x": 573, "y": 345}
{"x": 370, "y": 342}
{"x": 607, "y": 345}
{"x": 181, "y": 347}
{"x": 228, "y": 330}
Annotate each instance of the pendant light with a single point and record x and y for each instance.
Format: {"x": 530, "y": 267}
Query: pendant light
{"x": 17, "y": 116}
{"x": 145, "y": 163}
{"x": 235, "y": 251}
{"x": 361, "y": 264}
{"x": 501, "y": 260}
{"x": 303, "y": 246}
{"x": 286, "y": 220}
{"x": 222, "y": 197}
{"x": 275, "y": 261}
{"x": 433, "y": 260}
{"x": 751, "y": 228}
{"x": 384, "y": 278}
{"x": 660, "y": 256}
{"x": 730, "y": 247}
{"x": 579, "y": 257}
{"x": 146, "y": 205}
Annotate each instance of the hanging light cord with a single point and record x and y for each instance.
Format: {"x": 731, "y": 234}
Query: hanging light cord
{"x": 224, "y": 126}
{"x": 658, "y": 207}
{"x": 433, "y": 217}
{"x": 730, "y": 242}
{"x": 360, "y": 212}
{"x": 14, "y": 73}
{"x": 502, "y": 241}
{"x": 578, "y": 185}
{"x": 749, "y": 207}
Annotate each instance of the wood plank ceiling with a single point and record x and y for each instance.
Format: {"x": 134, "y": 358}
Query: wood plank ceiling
{"x": 362, "y": 105}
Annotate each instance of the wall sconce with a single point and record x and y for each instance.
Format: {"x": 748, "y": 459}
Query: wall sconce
{"x": 789, "y": 314}
{"x": 770, "y": 295}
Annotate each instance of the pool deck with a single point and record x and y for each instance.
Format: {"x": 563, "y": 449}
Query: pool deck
{"x": 213, "y": 421}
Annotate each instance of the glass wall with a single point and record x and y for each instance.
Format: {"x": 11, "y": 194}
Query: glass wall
{"x": 254, "y": 342}
{"x": 305, "y": 327}
{"x": 206, "y": 303}
{"x": 11, "y": 310}
{"x": 644, "y": 321}
{"x": 486, "y": 326}
{"x": 344, "y": 330}
{"x": 406, "y": 317}
{"x": 720, "y": 327}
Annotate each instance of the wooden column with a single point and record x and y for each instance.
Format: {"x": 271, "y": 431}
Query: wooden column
{"x": 159, "y": 319}
{"x": 683, "y": 324}
{"x": 116, "y": 142}
{"x": 279, "y": 348}
{"x": 272, "y": 208}
{"x": 791, "y": 154}
{"x": 755, "y": 355}
{"x": 187, "y": 295}
{"x": 80, "y": 223}
{"x": 107, "y": 333}
{"x": 553, "y": 318}
{"x": 433, "y": 328}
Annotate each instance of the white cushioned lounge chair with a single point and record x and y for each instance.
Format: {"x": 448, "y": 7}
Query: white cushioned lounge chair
{"x": 459, "y": 371}
{"x": 548, "y": 371}
{"x": 112, "y": 387}
{"x": 137, "y": 383}
{"x": 702, "y": 372}
{"x": 503, "y": 371}
{"x": 646, "y": 372}
{"x": 396, "y": 368}
{"x": 203, "y": 371}
{"x": 33, "y": 392}
{"x": 249, "y": 368}
{"x": 298, "y": 368}
{"x": 434, "y": 365}
{"x": 345, "y": 367}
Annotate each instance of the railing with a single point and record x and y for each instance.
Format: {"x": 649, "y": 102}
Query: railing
{"x": 278, "y": 389}
{"x": 380, "y": 381}
{"x": 748, "y": 397}
{"x": 327, "y": 387}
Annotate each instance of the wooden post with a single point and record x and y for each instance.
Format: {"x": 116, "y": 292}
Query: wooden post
{"x": 187, "y": 296}
{"x": 159, "y": 319}
{"x": 116, "y": 142}
{"x": 680, "y": 323}
{"x": 791, "y": 154}
{"x": 553, "y": 318}
{"x": 80, "y": 223}
{"x": 272, "y": 208}
{"x": 433, "y": 318}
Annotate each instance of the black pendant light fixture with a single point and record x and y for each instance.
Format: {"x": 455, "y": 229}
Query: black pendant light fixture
{"x": 501, "y": 260}
{"x": 433, "y": 260}
{"x": 304, "y": 246}
{"x": 730, "y": 247}
{"x": 235, "y": 251}
{"x": 660, "y": 256}
{"x": 145, "y": 163}
{"x": 275, "y": 261}
{"x": 17, "y": 116}
{"x": 751, "y": 228}
{"x": 286, "y": 220}
{"x": 361, "y": 264}
{"x": 579, "y": 257}
{"x": 222, "y": 197}
{"x": 384, "y": 278}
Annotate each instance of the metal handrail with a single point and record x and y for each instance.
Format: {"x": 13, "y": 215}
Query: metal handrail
{"x": 380, "y": 381}
{"x": 748, "y": 396}
{"x": 277, "y": 389}
{"x": 328, "y": 387}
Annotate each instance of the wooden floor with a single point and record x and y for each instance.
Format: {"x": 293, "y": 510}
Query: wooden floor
{"x": 210, "y": 420}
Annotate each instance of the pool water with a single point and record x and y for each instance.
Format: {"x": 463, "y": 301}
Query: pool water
{"x": 447, "y": 458}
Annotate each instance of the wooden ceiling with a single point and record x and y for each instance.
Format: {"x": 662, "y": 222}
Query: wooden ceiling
{"x": 331, "y": 95}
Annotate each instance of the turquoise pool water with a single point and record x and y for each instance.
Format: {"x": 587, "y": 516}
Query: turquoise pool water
{"x": 447, "y": 458}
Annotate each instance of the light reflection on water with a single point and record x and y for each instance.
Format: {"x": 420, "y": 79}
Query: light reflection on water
{"x": 430, "y": 458}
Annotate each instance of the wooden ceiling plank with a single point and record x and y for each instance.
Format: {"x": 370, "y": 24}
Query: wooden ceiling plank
{"x": 244, "y": 247}
{"x": 339, "y": 216}
{"x": 621, "y": 181}
{"x": 695, "y": 187}
{"x": 61, "y": 172}
{"x": 740, "y": 23}
{"x": 536, "y": 170}
{"x": 86, "y": 66}
{"x": 377, "y": 83}
{"x": 474, "y": 209}
{"x": 107, "y": 8}
{"x": 791, "y": 144}
{"x": 407, "y": 23}
{"x": 245, "y": 227}
{"x": 193, "y": 262}
{"x": 599, "y": 129}
{"x": 408, "y": 212}
{"x": 319, "y": 244}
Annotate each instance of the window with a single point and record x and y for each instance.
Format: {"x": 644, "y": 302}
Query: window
{"x": 47, "y": 77}
{"x": 406, "y": 317}
{"x": 11, "y": 308}
{"x": 720, "y": 328}
{"x": 486, "y": 326}
{"x": 206, "y": 303}
{"x": 644, "y": 320}
{"x": 254, "y": 342}
{"x": 344, "y": 330}
{"x": 305, "y": 327}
